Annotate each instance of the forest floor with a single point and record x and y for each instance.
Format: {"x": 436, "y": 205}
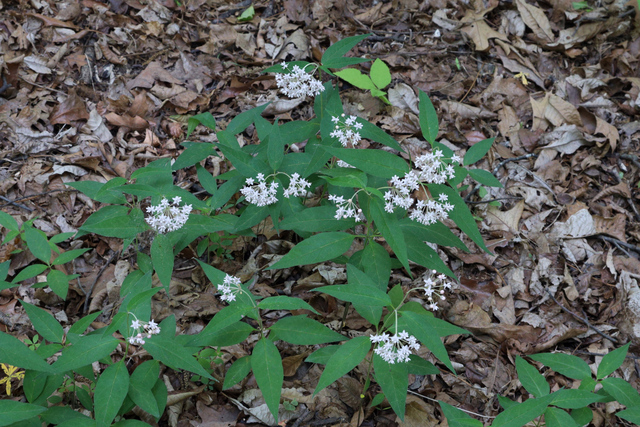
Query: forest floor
{"x": 93, "y": 91}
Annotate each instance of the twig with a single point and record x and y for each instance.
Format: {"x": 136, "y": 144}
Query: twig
{"x": 93, "y": 285}
{"x": 437, "y": 401}
{"x": 10, "y": 202}
{"x": 497, "y": 199}
{"x": 497, "y": 168}
{"x": 301, "y": 418}
{"x": 328, "y": 421}
{"x": 619, "y": 242}
{"x": 582, "y": 319}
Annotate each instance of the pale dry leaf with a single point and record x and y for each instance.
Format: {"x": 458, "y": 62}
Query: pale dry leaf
{"x": 620, "y": 189}
{"x": 441, "y": 19}
{"x": 609, "y": 131}
{"x": 560, "y": 112}
{"x": 535, "y": 19}
{"x": 505, "y": 220}
{"x": 513, "y": 23}
{"x": 614, "y": 227}
{"x": 566, "y": 139}
{"x": 37, "y": 64}
{"x": 403, "y": 96}
{"x": 580, "y": 224}
{"x": 466, "y": 111}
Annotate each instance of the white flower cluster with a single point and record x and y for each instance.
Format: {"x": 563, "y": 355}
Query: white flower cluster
{"x": 166, "y": 217}
{"x": 432, "y": 170}
{"x": 346, "y": 208}
{"x": 260, "y": 193}
{"x": 297, "y": 187}
{"x": 435, "y": 285}
{"x": 143, "y": 330}
{"x": 347, "y": 131}
{"x": 229, "y": 288}
{"x": 297, "y": 82}
{"x": 395, "y": 348}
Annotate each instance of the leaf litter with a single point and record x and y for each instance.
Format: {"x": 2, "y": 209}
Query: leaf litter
{"x": 92, "y": 91}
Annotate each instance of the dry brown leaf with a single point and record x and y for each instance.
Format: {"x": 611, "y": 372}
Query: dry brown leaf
{"x": 418, "y": 413}
{"x": 292, "y": 363}
{"x": 70, "y": 111}
{"x": 137, "y": 122}
{"x": 621, "y": 189}
{"x": 535, "y": 19}
{"x": 614, "y": 227}
{"x": 479, "y": 31}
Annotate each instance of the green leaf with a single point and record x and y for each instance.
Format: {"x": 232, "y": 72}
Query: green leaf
{"x": 622, "y": 391}
{"x": 88, "y": 188}
{"x": 321, "y": 218}
{"x": 111, "y": 389}
{"x": 175, "y": 356}
{"x": 428, "y": 118}
{"x": 377, "y": 265}
{"x": 115, "y": 221}
{"x": 555, "y": 417}
{"x": 275, "y": 147}
{"x": 251, "y": 216}
{"x": 162, "y": 258}
{"x": 59, "y": 282}
{"x": 532, "y": 380}
{"x": 228, "y": 336}
{"x": 357, "y": 294}
{"x": 247, "y": 15}
{"x": 322, "y": 356}
{"x": 485, "y": 178}
{"x": 460, "y": 213}
{"x": 582, "y": 416}
{"x": 84, "y": 352}
{"x": 380, "y": 74}
{"x": 223, "y": 319}
{"x": 12, "y": 411}
{"x": 457, "y": 418}
{"x": 346, "y": 357}
{"x": 612, "y": 361}
{"x": 388, "y": 226}
{"x": 8, "y": 222}
{"x": 437, "y": 233}
{"x": 521, "y": 413}
{"x": 477, "y": 151}
{"x": 111, "y": 192}
{"x": 44, "y": 323}
{"x": 283, "y": 302}
{"x": 374, "y": 162}
{"x": 29, "y": 272}
{"x": 333, "y": 57}
{"x": 142, "y": 381}
{"x": 421, "y": 253}
{"x": 317, "y": 248}
{"x": 83, "y": 324}
{"x": 37, "y": 244}
{"x": 566, "y": 364}
{"x": 301, "y": 330}
{"x": 196, "y": 152}
{"x": 243, "y": 120}
{"x": 574, "y": 398}
{"x": 205, "y": 119}
{"x": 418, "y": 366}
{"x": 394, "y": 381}
{"x": 345, "y": 177}
{"x": 356, "y": 78}
{"x": 420, "y": 326}
{"x": 374, "y": 133}
{"x": 630, "y": 414}
{"x": 237, "y": 372}
{"x": 15, "y": 353}
{"x": 267, "y": 369}
{"x": 69, "y": 256}
{"x": 60, "y": 414}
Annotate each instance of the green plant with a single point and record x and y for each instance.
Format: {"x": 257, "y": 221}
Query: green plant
{"x": 330, "y": 195}
{"x": 379, "y": 77}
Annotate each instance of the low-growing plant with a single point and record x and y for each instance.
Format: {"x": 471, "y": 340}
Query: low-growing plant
{"x": 330, "y": 194}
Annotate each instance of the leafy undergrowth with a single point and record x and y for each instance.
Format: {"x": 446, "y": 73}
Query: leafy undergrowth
{"x": 89, "y": 95}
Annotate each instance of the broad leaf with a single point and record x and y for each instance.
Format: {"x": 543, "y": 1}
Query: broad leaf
{"x": 317, "y": 248}
{"x": 111, "y": 389}
{"x": 175, "y": 356}
{"x": 532, "y": 380}
{"x": 283, "y": 302}
{"x": 477, "y": 151}
{"x": 13, "y": 412}
{"x": 84, "y": 352}
{"x": 333, "y": 57}
{"x": 162, "y": 258}
{"x": 566, "y": 364}
{"x": 521, "y": 413}
{"x": 612, "y": 361}
{"x": 374, "y": 162}
{"x": 237, "y": 372}
{"x": 266, "y": 364}
{"x": 394, "y": 381}
{"x": 554, "y": 417}
{"x": 457, "y": 418}
{"x": 44, "y": 323}
{"x": 346, "y": 357}
{"x": 301, "y": 330}
{"x": 428, "y": 118}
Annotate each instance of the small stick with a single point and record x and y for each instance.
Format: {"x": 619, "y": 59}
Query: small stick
{"x": 582, "y": 319}
{"x": 11, "y": 202}
{"x": 104, "y": 267}
{"x": 619, "y": 242}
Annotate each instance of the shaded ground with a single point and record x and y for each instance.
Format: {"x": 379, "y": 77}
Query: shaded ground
{"x": 95, "y": 90}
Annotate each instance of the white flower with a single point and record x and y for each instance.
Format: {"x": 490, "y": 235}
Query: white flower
{"x": 260, "y": 194}
{"x": 395, "y": 348}
{"x": 297, "y": 187}
{"x": 298, "y": 83}
{"x": 149, "y": 328}
{"x": 344, "y": 131}
{"x": 164, "y": 218}
{"x": 229, "y": 288}
{"x": 346, "y": 208}
{"x": 435, "y": 286}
